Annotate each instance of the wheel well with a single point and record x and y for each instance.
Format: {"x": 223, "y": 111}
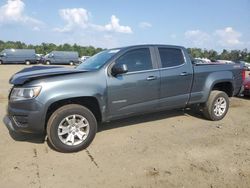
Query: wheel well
{"x": 227, "y": 87}
{"x": 89, "y": 102}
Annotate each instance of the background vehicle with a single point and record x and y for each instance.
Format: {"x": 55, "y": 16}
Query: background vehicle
{"x": 39, "y": 58}
{"x": 81, "y": 60}
{"x": 200, "y": 61}
{"x": 246, "y": 65}
{"x": 61, "y": 57}
{"x": 246, "y": 85}
{"x": 68, "y": 103}
{"x": 84, "y": 58}
{"x": 18, "y": 56}
{"x": 225, "y": 61}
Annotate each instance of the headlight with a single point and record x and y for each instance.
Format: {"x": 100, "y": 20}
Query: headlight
{"x": 18, "y": 94}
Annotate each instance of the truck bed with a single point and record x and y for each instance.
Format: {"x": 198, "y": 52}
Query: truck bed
{"x": 204, "y": 74}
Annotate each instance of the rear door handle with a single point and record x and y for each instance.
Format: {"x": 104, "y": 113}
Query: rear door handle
{"x": 151, "y": 78}
{"x": 184, "y": 74}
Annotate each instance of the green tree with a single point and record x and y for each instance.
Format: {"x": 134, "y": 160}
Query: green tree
{"x": 224, "y": 55}
{"x": 45, "y": 48}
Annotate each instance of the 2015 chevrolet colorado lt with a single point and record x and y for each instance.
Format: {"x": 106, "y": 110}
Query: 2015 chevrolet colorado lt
{"x": 67, "y": 104}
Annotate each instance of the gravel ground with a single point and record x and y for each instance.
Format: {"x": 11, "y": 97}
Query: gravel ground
{"x": 168, "y": 149}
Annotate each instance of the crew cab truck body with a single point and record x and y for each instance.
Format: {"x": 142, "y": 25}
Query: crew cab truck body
{"x": 67, "y": 104}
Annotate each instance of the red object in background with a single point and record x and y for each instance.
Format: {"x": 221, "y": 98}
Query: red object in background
{"x": 246, "y": 87}
{"x": 243, "y": 75}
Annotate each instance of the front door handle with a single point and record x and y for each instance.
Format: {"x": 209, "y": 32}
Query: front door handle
{"x": 151, "y": 78}
{"x": 184, "y": 74}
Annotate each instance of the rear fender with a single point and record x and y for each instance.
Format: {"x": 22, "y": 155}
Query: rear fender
{"x": 215, "y": 78}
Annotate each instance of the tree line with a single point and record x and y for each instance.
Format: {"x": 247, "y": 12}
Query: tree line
{"x": 232, "y": 55}
{"x": 44, "y": 48}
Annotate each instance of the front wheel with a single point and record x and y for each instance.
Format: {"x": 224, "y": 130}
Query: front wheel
{"x": 71, "y": 128}
{"x": 217, "y": 106}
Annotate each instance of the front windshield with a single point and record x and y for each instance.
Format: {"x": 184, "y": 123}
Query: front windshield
{"x": 97, "y": 61}
{"x": 49, "y": 55}
{"x": 2, "y": 53}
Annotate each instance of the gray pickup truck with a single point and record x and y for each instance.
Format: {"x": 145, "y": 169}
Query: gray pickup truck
{"x": 68, "y": 103}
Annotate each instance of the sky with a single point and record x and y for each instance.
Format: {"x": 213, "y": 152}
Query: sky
{"x": 207, "y": 24}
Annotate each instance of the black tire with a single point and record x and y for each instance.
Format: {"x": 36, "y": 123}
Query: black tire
{"x": 209, "y": 107}
{"x": 57, "y": 117}
{"x": 71, "y": 63}
{"x": 1, "y": 62}
{"x": 27, "y": 62}
{"x": 47, "y": 62}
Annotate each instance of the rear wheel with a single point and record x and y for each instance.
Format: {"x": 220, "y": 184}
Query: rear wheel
{"x": 47, "y": 62}
{"x": 71, "y": 63}
{"x": 217, "y": 106}
{"x": 71, "y": 128}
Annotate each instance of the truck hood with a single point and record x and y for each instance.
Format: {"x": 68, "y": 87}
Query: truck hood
{"x": 37, "y": 72}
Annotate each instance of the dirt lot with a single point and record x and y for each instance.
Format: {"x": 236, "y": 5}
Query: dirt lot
{"x": 168, "y": 149}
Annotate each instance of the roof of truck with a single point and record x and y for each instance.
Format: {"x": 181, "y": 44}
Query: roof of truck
{"x": 147, "y": 45}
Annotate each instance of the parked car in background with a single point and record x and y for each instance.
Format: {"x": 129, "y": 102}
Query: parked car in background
{"x": 61, "y": 57}
{"x": 201, "y": 60}
{"x": 39, "y": 58}
{"x": 18, "y": 56}
{"x": 246, "y": 85}
{"x": 224, "y": 61}
{"x": 81, "y": 60}
{"x": 246, "y": 65}
{"x": 67, "y": 104}
{"x": 84, "y": 58}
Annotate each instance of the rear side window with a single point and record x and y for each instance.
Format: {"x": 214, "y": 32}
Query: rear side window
{"x": 171, "y": 57}
{"x": 136, "y": 60}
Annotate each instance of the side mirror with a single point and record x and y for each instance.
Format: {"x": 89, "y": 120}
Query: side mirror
{"x": 119, "y": 69}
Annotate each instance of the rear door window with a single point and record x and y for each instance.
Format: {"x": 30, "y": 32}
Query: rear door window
{"x": 171, "y": 57}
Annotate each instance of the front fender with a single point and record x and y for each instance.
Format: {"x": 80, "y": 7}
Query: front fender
{"x": 72, "y": 86}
